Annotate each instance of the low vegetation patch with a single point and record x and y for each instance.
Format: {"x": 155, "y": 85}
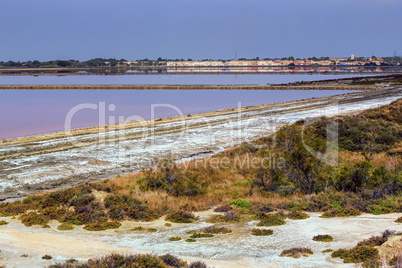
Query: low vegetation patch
{"x": 175, "y": 182}
{"x": 270, "y": 219}
{"x": 151, "y": 230}
{"x": 341, "y": 212}
{"x": 261, "y": 232}
{"x": 323, "y": 238}
{"x": 101, "y": 226}
{"x": 327, "y": 250}
{"x": 201, "y": 235}
{"x": 65, "y": 227}
{"x": 394, "y": 261}
{"x": 222, "y": 209}
{"x": 296, "y": 252}
{"x": 138, "y": 228}
{"x": 230, "y": 216}
{"x": 399, "y": 220}
{"x": 215, "y": 230}
{"x": 47, "y": 257}
{"x": 173, "y": 261}
{"x": 365, "y": 251}
{"x": 175, "y": 238}
{"x": 3, "y": 222}
{"x": 137, "y": 260}
{"x": 191, "y": 240}
{"x": 33, "y": 218}
{"x": 181, "y": 217}
{"x": 240, "y": 203}
{"x": 297, "y": 215}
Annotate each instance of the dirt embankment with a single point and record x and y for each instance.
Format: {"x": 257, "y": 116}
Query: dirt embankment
{"x": 87, "y": 138}
{"x": 191, "y": 87}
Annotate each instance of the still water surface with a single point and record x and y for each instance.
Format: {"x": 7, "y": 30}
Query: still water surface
{"x": 260, "y": 79}
{"x": 29, "y": 112}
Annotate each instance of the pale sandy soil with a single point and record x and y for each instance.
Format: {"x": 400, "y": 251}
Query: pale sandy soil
{"x": 237, "y": 249}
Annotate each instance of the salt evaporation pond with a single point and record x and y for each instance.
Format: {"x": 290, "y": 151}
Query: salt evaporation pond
{"x": 214, "y": 135}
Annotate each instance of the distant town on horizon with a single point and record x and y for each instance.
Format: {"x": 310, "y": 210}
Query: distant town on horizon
{"x": 243, "y": 62}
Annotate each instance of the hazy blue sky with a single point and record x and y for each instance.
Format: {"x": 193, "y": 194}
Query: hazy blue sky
{"x": 198, "y": 29}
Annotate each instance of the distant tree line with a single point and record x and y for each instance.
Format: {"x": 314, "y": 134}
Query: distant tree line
{"x": 97, "y": 62}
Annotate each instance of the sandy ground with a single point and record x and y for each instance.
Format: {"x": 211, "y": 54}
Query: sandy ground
{"x": 237, "y": 249}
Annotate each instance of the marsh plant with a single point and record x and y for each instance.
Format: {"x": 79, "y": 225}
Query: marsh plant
{"x": 297, "y": 252}
{"x": 323, "y": 238}
{"x": 137, "y": 260}
{"x": 365, "y": 251}
{"x": 261, "y": 232}
{"x": 181, "y": 217}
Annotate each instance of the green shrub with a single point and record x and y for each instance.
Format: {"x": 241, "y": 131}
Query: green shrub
{"x": 65, "y": 227}
{"x": 47, "y": 257}
{"x": 138, "y": 228}
{"x": 173, "y": 261}
{"x": 365, "y": 251}
{"x": 261, "y": 232}
{"x": 71, "y": 261}
{"x": 100, "y": 226}
{"x": 378, "y": 209}
{"x": 33, "y": 218}
{"x": 215, "y": 230}
{"x": 80, "y": 199}
{"x": 3, "y": 222}
{"x": 298, "y": 215}
{"x": 152, "y": 230}
{"x": 240, "y": 203}
{"x": 122, "y": 206}
{"x": 191, "y": 240}
{"x": 93, "y": 212}
{"x": 241, "y": 183}
{"x": 9, "y": 209}
{"x": 46, "y": 226}
{"x": 175, "y": 238}
{"x": 137, "y": 260}
{"x": 229, "y": 216}
{"x": 222, "y": 209}
{"x": 181, "y": 217}
{"x": 356, "y": 254}
{"x": 142, "y": 260}
{"x": 296, "y": 252}
{"x": 341, "y": 212}
{"x": 392, "y": 262}
{"x": 142, "y": 179}
{"x": 200, "y": 235}
{"x": 174, "y": 181}
{"x": 323, "y": 238}
{"x": 327, "y": 250}
{"x": 168, "y": 224}
{"x": 198, "y": 264}
{"x": 270, "y": 220}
